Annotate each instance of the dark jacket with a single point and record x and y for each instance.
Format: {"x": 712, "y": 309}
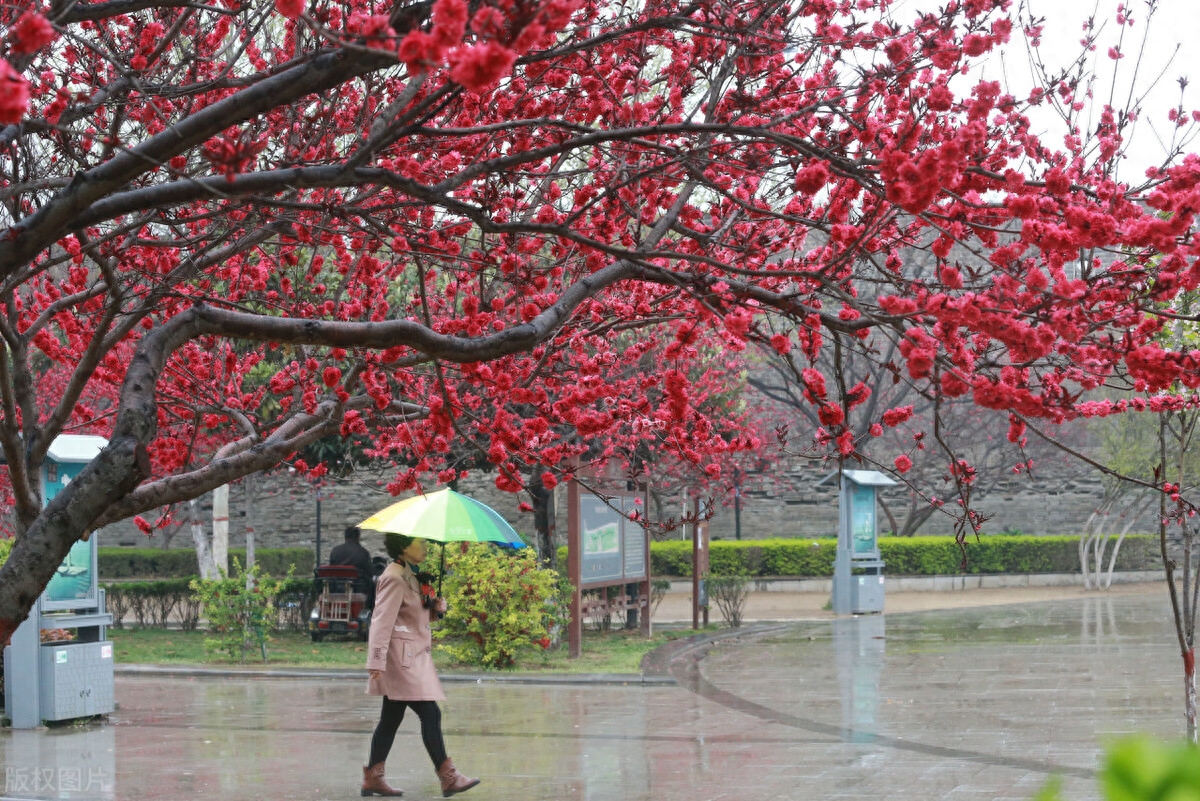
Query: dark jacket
{"x": 352, "y": 553}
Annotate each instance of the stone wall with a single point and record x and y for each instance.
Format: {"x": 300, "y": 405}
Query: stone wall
{"x": 284, "y": 510}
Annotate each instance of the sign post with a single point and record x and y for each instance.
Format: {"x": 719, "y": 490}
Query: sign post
{"x": 699, "y": 566}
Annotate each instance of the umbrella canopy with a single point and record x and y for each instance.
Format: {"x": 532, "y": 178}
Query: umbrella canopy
{"x": 444, "y": 516}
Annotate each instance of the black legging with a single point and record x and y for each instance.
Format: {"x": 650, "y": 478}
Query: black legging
{"x": 393, "y": 715}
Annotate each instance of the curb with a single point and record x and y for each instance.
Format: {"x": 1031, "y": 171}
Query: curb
{"x": 658, "y": 663}
{"x": 941, "y": 583}
{"x": 354, "y": 674}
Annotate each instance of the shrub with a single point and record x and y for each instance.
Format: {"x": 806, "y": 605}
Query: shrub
{"x": 658, "y": 590}
{"x": 501, "y": 603}
{"x": 905, "y": 556}
{"x": 729, "y": 593}
{"x": 1140, "y": 769}
{"x": 146, "y": 563}
{"x": 153, "y": 603}
{"x": 240, "y": 610}
{"x": 295, "y": 600}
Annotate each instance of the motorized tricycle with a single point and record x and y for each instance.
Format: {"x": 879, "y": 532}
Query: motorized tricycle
{"x": 339, "y": 609}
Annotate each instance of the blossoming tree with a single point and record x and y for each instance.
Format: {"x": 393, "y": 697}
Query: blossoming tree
{"x": 232, "y": 229}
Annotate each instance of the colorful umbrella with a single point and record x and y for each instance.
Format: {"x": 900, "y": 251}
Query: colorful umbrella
{"x": 444, "y": 516}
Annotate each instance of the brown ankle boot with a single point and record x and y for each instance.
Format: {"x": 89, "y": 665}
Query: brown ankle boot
{"x": 373, "y": 783}
{"x": 453, "y": 782}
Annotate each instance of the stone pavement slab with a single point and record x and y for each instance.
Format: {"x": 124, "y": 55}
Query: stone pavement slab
{"x": 975, "y": 703}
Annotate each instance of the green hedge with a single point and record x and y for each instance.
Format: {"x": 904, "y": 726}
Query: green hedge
{"x": 152, "y": 603}
{"x": 904, "y": 556}
{"x": 166, "y": 603}
{"x": 145, "y": 563}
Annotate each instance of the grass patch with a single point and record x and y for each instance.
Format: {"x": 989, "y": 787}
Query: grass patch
{"x": 603, "y": 652}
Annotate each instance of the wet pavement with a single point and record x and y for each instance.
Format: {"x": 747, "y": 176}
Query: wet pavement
{"x": 983, "y": 703}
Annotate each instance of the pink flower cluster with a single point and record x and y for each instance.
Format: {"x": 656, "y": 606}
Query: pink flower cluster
{"x": 14, "y": 95}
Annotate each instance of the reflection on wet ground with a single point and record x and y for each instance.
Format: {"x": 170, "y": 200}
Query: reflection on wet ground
{"x": 970, "y": 704}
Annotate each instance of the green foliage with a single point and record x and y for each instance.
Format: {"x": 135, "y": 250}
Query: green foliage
{"x": 295, "y": 600}
{"x": 240, "y": 610}
{"x": 153, "y": 603}
{"x": 905, "y": 556}
{"x": 145, "y": 563}
{"x": 6, "y": 544}
{"x": 729, "y": 593}
{"x": 1140, "y": 769}
{"x": 501, "y": 603}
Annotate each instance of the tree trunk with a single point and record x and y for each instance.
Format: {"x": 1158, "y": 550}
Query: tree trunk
{"x": 220, "y": 540}
{"x": 204, "y": 557}
{"x": 1085, "y": 546}
{"x": 1189, "y": 692}
{"x": 248, "y": 487}
{"x": 1100, "y": 546}
{"x": 38, "y": 552}
{"x": 916, "y": 518}
{"x": 543, "y": 521}
{"x": 1112, "y": 561}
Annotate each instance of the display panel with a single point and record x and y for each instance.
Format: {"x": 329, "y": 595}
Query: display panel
{"x": 633, "y": 541}
{"x": 862, "y": 521}
{"x": 73, "y": 584}
{"x": 600, "y": 538}
{"x": 613, "y": 547}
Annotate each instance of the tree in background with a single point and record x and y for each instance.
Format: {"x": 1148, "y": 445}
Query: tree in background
{"x": 920, "y": 452}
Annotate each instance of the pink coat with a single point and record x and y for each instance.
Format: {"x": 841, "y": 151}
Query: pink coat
{"x": 401, "y": 642}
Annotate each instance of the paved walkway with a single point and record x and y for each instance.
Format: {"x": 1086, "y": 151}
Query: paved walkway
{"x": 983, "y": 702}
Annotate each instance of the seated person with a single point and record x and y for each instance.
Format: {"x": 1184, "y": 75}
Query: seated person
{"x": 351, "y": 552}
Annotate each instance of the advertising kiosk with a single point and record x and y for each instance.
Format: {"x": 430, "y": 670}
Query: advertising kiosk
{"x": 64, "y": 679}
{"x": 857, "y": 568}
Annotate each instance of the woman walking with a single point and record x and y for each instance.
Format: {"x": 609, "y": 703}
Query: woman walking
{"x": 400, "y": 666}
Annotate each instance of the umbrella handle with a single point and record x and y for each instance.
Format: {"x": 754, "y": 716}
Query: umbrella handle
{"x": 442, "y": 569}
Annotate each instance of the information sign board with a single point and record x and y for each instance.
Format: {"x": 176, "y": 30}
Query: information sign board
{"x": 600, "y": 535}
{"x": 613, "y": 546}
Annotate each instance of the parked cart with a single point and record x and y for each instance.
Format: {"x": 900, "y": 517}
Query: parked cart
{"x": 339, "y": 609}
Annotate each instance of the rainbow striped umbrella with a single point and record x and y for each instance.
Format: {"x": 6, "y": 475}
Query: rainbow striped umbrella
{"x": 444, "y": 516}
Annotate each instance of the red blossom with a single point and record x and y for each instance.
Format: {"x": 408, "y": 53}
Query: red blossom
{"x": 831, "y": 415}
{"x": 812, "y": 178}
{"x": 814, "y": 383}
{"x": 31, "y": 33}
{"x": 550, "y": 263}
{"x": 976, "y": 44}
{"x": 449, "y": 22}
{"x": 291, "y": 8}
{"x": 894, "y": 417}
{"x": 480, "y": 66}
{"x": 419, "y": 51}
{"x": 14, "y": 95}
